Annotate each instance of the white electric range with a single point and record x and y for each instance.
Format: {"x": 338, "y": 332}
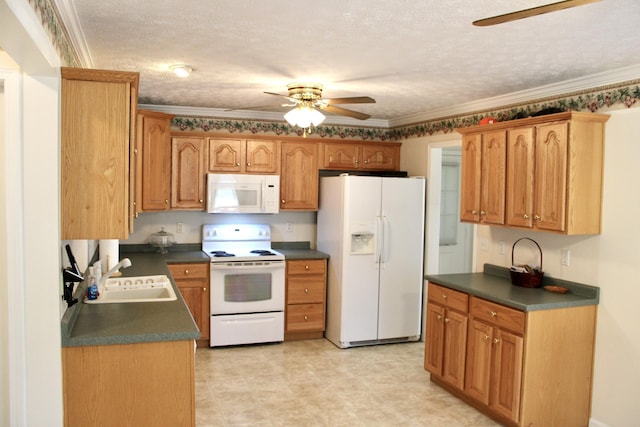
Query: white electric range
{"x": 246, "y": 286}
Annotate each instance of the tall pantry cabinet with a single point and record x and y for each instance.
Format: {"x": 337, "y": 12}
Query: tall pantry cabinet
{"x": 97, "y": 134}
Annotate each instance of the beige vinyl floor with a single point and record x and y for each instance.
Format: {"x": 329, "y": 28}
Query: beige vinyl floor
{"x": 314, "y": 383}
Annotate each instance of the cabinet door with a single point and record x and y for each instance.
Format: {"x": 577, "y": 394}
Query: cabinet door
{"x": 478, "y": 365}
{"x": 226, "y": 155}
{"x": 340, "y": 156}
{"x": 551, "y": 176}
{"x": 434, "y": 339}
{"x": 506, "y": 374}
{"x": 380, "y": 157}
{"x": 299, "y": 176}
{"x": 455, "y": 345}
{"x": 262, "y": 156}
{"x": 471, "y": 170}
{"x": 187, "y": 173}
{"x": 156, "y": 163}
{"x": 492, "y": 193}
{"x": 96, "y": 191}
{"x": 520, "y": 162}
{"x": 193, "y": 283}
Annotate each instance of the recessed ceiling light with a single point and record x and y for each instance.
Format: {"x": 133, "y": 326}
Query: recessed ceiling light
{"x": 181, "y": 70}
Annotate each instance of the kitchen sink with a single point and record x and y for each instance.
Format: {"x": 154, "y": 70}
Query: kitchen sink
{"x": 135, "y": 289}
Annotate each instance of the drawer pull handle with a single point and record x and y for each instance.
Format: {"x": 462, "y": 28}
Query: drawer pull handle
{"x": 306, "y": 290}
{"x": 493, "y": 313}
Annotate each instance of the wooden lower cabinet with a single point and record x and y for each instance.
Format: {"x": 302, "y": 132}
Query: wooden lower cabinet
{"x": 141, "y": 384}
{"x": 528, "y": 369}
{"x": 305, "y": 311}
{"x": 193, "y": 282}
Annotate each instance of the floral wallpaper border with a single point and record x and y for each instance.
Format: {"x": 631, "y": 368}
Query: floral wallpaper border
{"x": 58, "y": 35}
{"x": 602, "y": 99}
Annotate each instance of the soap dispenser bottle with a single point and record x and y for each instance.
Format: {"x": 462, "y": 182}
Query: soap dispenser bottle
{"x": 92, "y": 290}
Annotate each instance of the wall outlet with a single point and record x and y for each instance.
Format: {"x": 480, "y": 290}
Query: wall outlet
{"x": 179, "y": 227}
{"x": 484, "y": 244}
{"x": 565, "y": 256}
{"x": 501, "y": 247}
{"x": 289, "y": 227}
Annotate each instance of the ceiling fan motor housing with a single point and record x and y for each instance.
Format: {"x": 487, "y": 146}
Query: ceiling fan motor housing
{"x": 305, "y": 91}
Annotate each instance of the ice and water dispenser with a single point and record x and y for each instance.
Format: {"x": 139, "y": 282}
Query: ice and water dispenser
{"x": 363, "y": 239}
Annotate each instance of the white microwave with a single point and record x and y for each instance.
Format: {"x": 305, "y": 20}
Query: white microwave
{"x": 243, "y": 193}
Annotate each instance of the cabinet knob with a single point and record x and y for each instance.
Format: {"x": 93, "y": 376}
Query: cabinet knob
{"x": 439, "y": 317}
{"x": 248, "y": 164}
{"x": 493, "y": 313}
{"x": 444, "y": 296}
{"x": 238, "y": 164}
{"x": 536, "y": 217}
{"x": 483, "y": 213}
{"x": 306, "y": 317}
{"x": 306, "y": 267}
{"x": 496, "y": 340}
{"x": 486, "y": 338}
{"x": 356, "y": 161}
{"x": 306, "y": 290}
{"x": 366, "y": 162}
{"x": 201, "y": 201}
{"x": 166, "y": 202}
{"x": 474, "y": 212}
{"x": 525, "y": 216}
{"x": 186, "y": 272}
{"x": 204, "y": 289}
{"x": 282, "y": 201}
{"x": 446, "y": 320}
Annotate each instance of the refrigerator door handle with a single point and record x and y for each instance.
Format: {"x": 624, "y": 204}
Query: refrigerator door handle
{"x": 384, "y": 252}
{"x": 379, "y": 239}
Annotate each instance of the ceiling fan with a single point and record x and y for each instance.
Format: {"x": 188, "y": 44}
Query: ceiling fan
{"x": 310, "y": 95}
{"x": 526, "y": 13}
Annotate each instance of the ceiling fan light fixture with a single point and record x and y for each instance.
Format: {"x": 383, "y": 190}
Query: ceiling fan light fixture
{"x": 181, "y": 70}
{"x": 304, "y": 116}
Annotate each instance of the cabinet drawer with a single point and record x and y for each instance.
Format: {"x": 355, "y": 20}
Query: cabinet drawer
{"x": 498, "y": 315}
{"x": 448, "y": 297}
{"x": 302, "y": 290}
{"x": 305, "y": 317}
{"x": 189, "y": 271}
{"x": 307, "y": 266}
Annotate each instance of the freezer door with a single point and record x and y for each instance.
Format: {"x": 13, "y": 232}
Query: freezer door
{"x": 401, "y": 269}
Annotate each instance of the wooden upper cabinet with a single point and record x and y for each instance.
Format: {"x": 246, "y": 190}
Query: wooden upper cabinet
{"x": 153, "y": 156}
{"x": 483, "y": 177}
{"x": 554, "y": 171}
{"x": 366, "y": 156}
{"x": 299, "y": 176}
{"x": 98, "y": 115}
{"x": 243, "y": 156}
{"x": 188, "y": 173}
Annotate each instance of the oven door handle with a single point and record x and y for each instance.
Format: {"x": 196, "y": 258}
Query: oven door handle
{"x": 273, "y": 265}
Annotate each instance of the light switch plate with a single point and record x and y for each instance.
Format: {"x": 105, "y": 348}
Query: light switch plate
{"x": 565, "y": 256}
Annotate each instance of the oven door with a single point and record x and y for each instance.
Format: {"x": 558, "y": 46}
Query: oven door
{"x": 247, "y": 287}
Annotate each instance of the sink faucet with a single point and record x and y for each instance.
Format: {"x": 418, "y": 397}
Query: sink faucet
{"x": 126, "y": 262}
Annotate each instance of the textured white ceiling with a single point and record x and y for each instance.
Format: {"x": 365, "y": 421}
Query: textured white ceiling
{"x": 412, "y": 56}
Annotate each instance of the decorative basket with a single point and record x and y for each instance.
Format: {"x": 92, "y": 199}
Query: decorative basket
{"x": 531, "y": 279}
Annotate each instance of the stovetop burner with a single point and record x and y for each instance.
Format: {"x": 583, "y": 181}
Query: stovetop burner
{"x": 262, "y": 252}
{"x": 221, "y": 254}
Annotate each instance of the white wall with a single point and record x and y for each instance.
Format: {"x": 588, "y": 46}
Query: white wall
{"x": 609, "y": 261}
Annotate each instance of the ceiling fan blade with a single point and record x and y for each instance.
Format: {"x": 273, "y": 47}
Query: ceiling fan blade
{"x": 531, "y": 12}
{"x": 350, "y": 100}
{"x": 345, "y": 112}
{"x": 283, "y": 96}
{"x": 258, "y": 107}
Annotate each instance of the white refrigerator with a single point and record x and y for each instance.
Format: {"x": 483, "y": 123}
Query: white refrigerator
{"x": 373, "y": 230}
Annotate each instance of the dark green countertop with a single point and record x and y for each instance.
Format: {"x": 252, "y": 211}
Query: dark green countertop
{"x": 124, "y": 323}
{"x": 494, "y": 284}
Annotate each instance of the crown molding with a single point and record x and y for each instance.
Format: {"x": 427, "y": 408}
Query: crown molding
{"x": 67, "y": 12}
{"x": 221, "y": 113}
{"x": 556, "y": 89}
